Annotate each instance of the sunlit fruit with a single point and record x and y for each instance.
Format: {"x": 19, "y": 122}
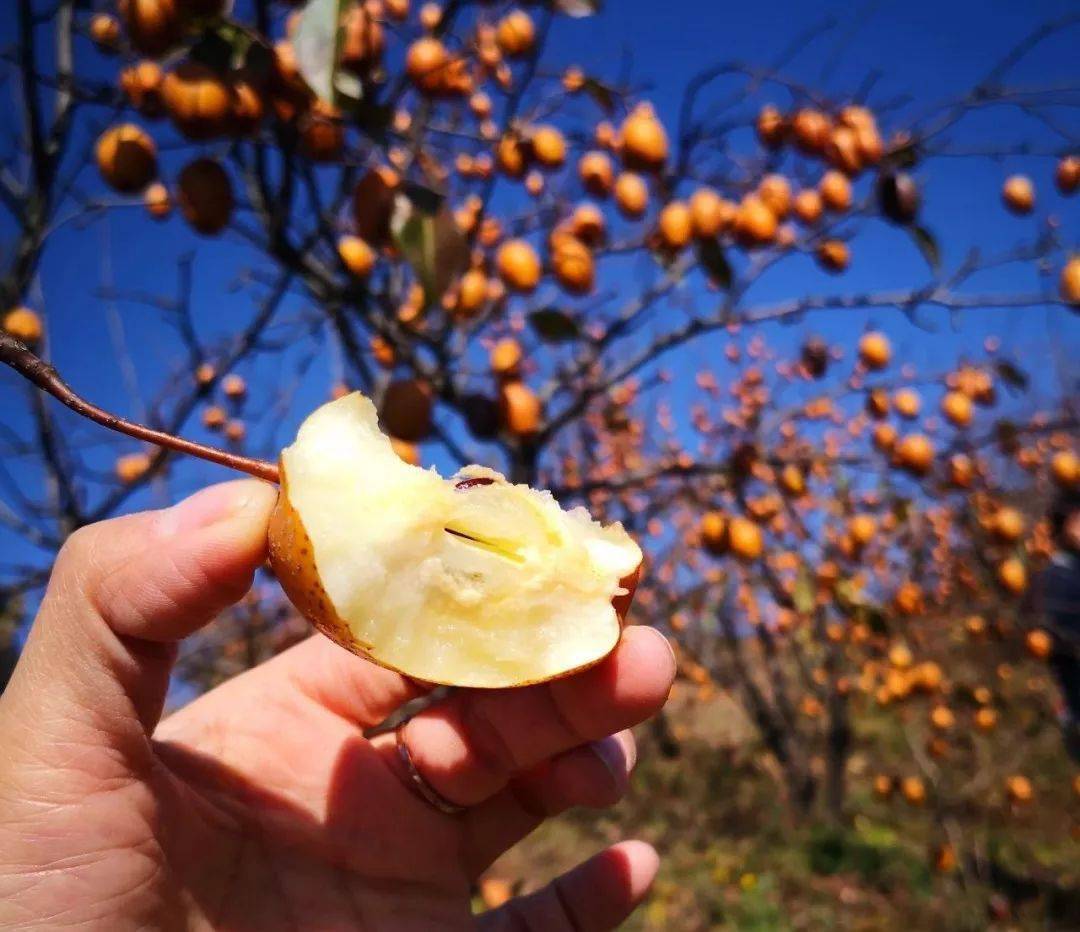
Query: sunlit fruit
{"x": 510, "y": 156}
{"x": 744, "y": 538}
{"x": 587, "y": 223}
{"x": 520, "y": 409}
{"x": 810, "y": 128}
{"x": 158, "y": 201}
{"x": 132, "y": 467}
{"x": 1008, "y": 525}
{"x": 214, "y": 418}
{"x": 644, "y": 141}
{"x": 153, "y": 26}
{"x": 597, "y": 173}
{"x": 548, "y": 146}
{"x": 755, "y": 224}
{"x": 406, "y": 409}
{"x": 862, "y": 528}
{"x": 710, "y": 214}
{"x": 1018, "y": 193}
{"x": 23, "y": 324}
{"x": 907, "y": 403}
{"x": 572, "y": 264}
{"x": 915, "y": 453}
{"x": 472, "y": 293}
{"x": 405, "y": 451}
{"x": 713, "y": 531}
{"x": 356, "y": 255}
{"x": 362, "y": 40}
{"x": 142, "y": 85}
{"x": 908, "y": 599}
{"x": 515, "y": 33}
{"x": 833, "y": 255}
{"x": 1065, "y": 469}
{"x": 105, "y": 32}
{"x": 505, "y": 358}
{"x": 842, "y": 150}
{"x": 470, "y": 581}
{"x": 792, "y": 480}
{"x": 197, "y": 99}
{"x": 573, "y": 79}
{"x": 675, "y": 225}
{"x": 1069, "y": 283}
{"x": 775, "y": 191}
{"x": 942, "y": 718}
{"x": 807, "y": 206}
{"x": 883, "y": 786}
{"x": 1018, "y": 789}
{"x": 126, "y": 157}
{"x": 986, "y": 719}
{"x": 234, "y": 386}
{"x": 877, "y": 403}
{"x": 884, "y": 437}
{"x": 868, "y": 142}
{"x": 961, "y": 470}
{"x": 771, "y": 126}
{"x": 1012, "y": 574}
{"x": 205, "y": 196}
{"x": 518, "y": 266}
{"x": 913, "y": 790}
{"x": 835, "y": 191}
{"x": 1067, "y": 174}
{"x": 426, "y": 63}
{"x": 1039, "y": 644}
{"x": 875, "y": 351}
{"x": 957, "y": 408}
{"x": 631, "y": 194}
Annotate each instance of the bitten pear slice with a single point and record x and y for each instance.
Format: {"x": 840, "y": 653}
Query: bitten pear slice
{"x": 467, "y": 581}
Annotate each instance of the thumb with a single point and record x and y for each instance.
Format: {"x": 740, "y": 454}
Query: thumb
{"x": 121, "y": 594}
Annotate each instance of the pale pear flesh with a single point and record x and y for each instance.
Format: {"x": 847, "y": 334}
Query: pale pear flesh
{"x": 468, "y": 581}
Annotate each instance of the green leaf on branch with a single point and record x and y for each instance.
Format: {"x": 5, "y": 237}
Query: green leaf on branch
{"x": 317, "y": 43}
{"x": 1012, "y": 374}
{"x": 429, "y": 238}
{"x": 712, "y": 258}
{"x": 927, "y": 244}
{"x": 554, "y": 326}
{"x": 601, "y": 93}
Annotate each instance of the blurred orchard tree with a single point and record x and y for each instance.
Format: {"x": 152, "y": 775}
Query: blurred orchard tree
{"x": 535, "y": 269}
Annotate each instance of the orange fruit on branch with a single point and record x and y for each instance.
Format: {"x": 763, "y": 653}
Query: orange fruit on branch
{"x": 644, "y": 140}
{"x": 23, "y": 324}
{"x": 1018, "y": 193}
{"x": 126, "y": 157}
{"x": 518, "y": 266}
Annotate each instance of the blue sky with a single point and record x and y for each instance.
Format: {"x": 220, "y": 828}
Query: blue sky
{"x": 928, "y": 50}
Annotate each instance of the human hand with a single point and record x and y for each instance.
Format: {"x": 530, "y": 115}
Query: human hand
{"x": 261, "y": 805}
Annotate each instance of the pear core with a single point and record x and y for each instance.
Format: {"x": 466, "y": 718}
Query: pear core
{"x": 468, "y": 581}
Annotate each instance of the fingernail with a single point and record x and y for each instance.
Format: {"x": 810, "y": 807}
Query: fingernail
{"x": 210, "y": 506}
{"x": 665, "y": 639}
{"x": 615, "y": 756}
